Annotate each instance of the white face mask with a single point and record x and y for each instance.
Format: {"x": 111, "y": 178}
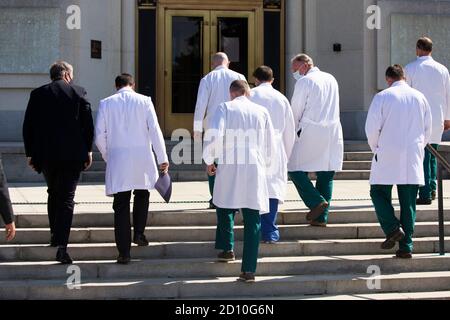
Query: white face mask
{"x": 297, "y": 76}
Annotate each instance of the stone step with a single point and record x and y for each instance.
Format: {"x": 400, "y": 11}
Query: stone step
{"x": 207, "y": 233}
{"x": 355, "y": 145}
{"x": 98, "y": 166}
{"x": 357, "y": 165}
{"x": 358, "y": 156}
{"x": 209, "y": 218}
{"x": 176, "y": 175}
{"x": 97, "y": 156}
{"x": 352, "y": 175}
{"x": 205, "y": 249}
{"x": 266, "y": 286}
{"x": 188, "y": 175}
{"x": 92, "y": 176}
{"x": 200, "y": 268}
{"x": 200, "y": 175}
{"x": 430, "y": 295}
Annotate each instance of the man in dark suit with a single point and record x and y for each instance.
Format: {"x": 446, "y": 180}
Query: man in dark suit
{"x": 6, "y": 211}
{"x": 58, "y": 133}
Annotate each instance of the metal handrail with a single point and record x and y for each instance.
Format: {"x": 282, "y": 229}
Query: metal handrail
{"x": 442, "y": 164}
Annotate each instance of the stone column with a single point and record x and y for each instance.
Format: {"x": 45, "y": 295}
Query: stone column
{"x": 128, "y": 22}
{"x": 294, "y": 38}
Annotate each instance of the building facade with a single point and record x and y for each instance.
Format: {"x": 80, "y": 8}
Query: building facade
{"x": 167, "y": 45}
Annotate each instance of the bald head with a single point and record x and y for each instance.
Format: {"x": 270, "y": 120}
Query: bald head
{"x": 220, "y": 59}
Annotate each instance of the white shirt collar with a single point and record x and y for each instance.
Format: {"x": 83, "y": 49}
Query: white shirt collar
{"x": 313, "y": 69}
{"x": 425, "y": 58}
{"x": 399, "y": 83}
{"x": 125, "y": 89}
{"x": 241, "y": 98}
{"x": 220, "y": 67}
{"x": 265, "y": 84}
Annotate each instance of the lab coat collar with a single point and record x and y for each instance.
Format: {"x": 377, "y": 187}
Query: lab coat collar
{"x": 125, "y": 89}
{"x": 425, "y": 58}
{"x": 265, "y": 84}
{"x": 399, "y": 83}
{"x": 313, "y": 69}
{"x": 220, "y": 67}
{"x": 241, "y": 98}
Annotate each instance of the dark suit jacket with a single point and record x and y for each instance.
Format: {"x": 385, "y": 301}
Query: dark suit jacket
{"x": 6, "y": 210}
{"x": 58, "y": 128}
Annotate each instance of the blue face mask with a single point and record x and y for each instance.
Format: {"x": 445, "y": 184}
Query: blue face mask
{"x": 297, "y": 76}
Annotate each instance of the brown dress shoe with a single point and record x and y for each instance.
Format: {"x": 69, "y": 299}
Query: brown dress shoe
{"x": 317, "y": 211}
{"x": 433, "y": 195}
{"x": 403, "y": 255}
{"x": 247, "y": 277}
{"x": 226, "y": 256}
{"x": 318, "y": 224}
{"x": 391, "y": 239}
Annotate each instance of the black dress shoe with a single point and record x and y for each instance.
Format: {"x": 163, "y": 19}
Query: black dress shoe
{"x": 403, "y": 254}
{"x": 140, "y": 240}
{"x": 424, "y": 201}
{"x": 212, "y": 205}
{"x": 433, "y": 195}
{"x": 123, "y": 260}
{"x": 63, "y": 257}
{"x": 391, "y": 239}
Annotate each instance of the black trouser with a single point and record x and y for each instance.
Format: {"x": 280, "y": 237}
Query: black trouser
{"x": 6, "y": 210}
{"x": 122, "y": 225}
{"x": 62, "y": 184}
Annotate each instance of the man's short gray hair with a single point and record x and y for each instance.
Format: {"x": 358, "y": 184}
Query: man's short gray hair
{"x": 303, "y": 58}
{"x": 59, "y": 69}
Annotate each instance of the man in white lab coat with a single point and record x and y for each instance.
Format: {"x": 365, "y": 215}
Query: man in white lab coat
{"x": 433, "y": 80}
{"x": 240, "y": 139}
{"x": 127, "y": 128}
{"x": 283, "y": 122}
{"x": 213, "y": 90}
{"x": 319, "y": 145}
{"x": 398, "y": 127}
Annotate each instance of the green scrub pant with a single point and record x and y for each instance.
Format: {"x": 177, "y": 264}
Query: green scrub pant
{"x": 252, "y": 235}
{"x": 430, "y": 172}
{"x": 312, "y": 195}
{"x": 382, "y": 200}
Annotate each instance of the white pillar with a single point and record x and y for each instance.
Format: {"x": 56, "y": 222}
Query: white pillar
{"x": 128, "y": 43}
{"x": 294, "y": 38}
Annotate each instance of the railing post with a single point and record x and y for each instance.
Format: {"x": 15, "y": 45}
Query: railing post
{"x": 441, "y": 210}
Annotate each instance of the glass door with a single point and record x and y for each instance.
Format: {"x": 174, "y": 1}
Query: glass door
{"x": 233, "y": 33}
{"x": 186, "y": 61}
{"x": 191, "y": 37}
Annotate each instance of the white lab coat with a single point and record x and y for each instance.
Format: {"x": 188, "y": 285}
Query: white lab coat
{"x": 283, "y": 123}
{"x": 241, "y": 180}
{"x": 398, "y": 127}
{"x": 315, "y": 104}
{"x": 126, "y": 130}
{"x": 213, "y": 90}
{"x": 433, "y": 80}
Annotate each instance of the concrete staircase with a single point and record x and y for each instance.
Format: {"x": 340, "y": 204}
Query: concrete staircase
{"x": 357, "y": 161}
{"x": 309, "y": 263}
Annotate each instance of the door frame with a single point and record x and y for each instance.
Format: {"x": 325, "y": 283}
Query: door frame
{"x": 179, "y": 118}
{"x": 162, "y": 89}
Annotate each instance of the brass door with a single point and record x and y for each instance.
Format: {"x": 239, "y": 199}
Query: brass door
{"x": 191, "y": 37}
